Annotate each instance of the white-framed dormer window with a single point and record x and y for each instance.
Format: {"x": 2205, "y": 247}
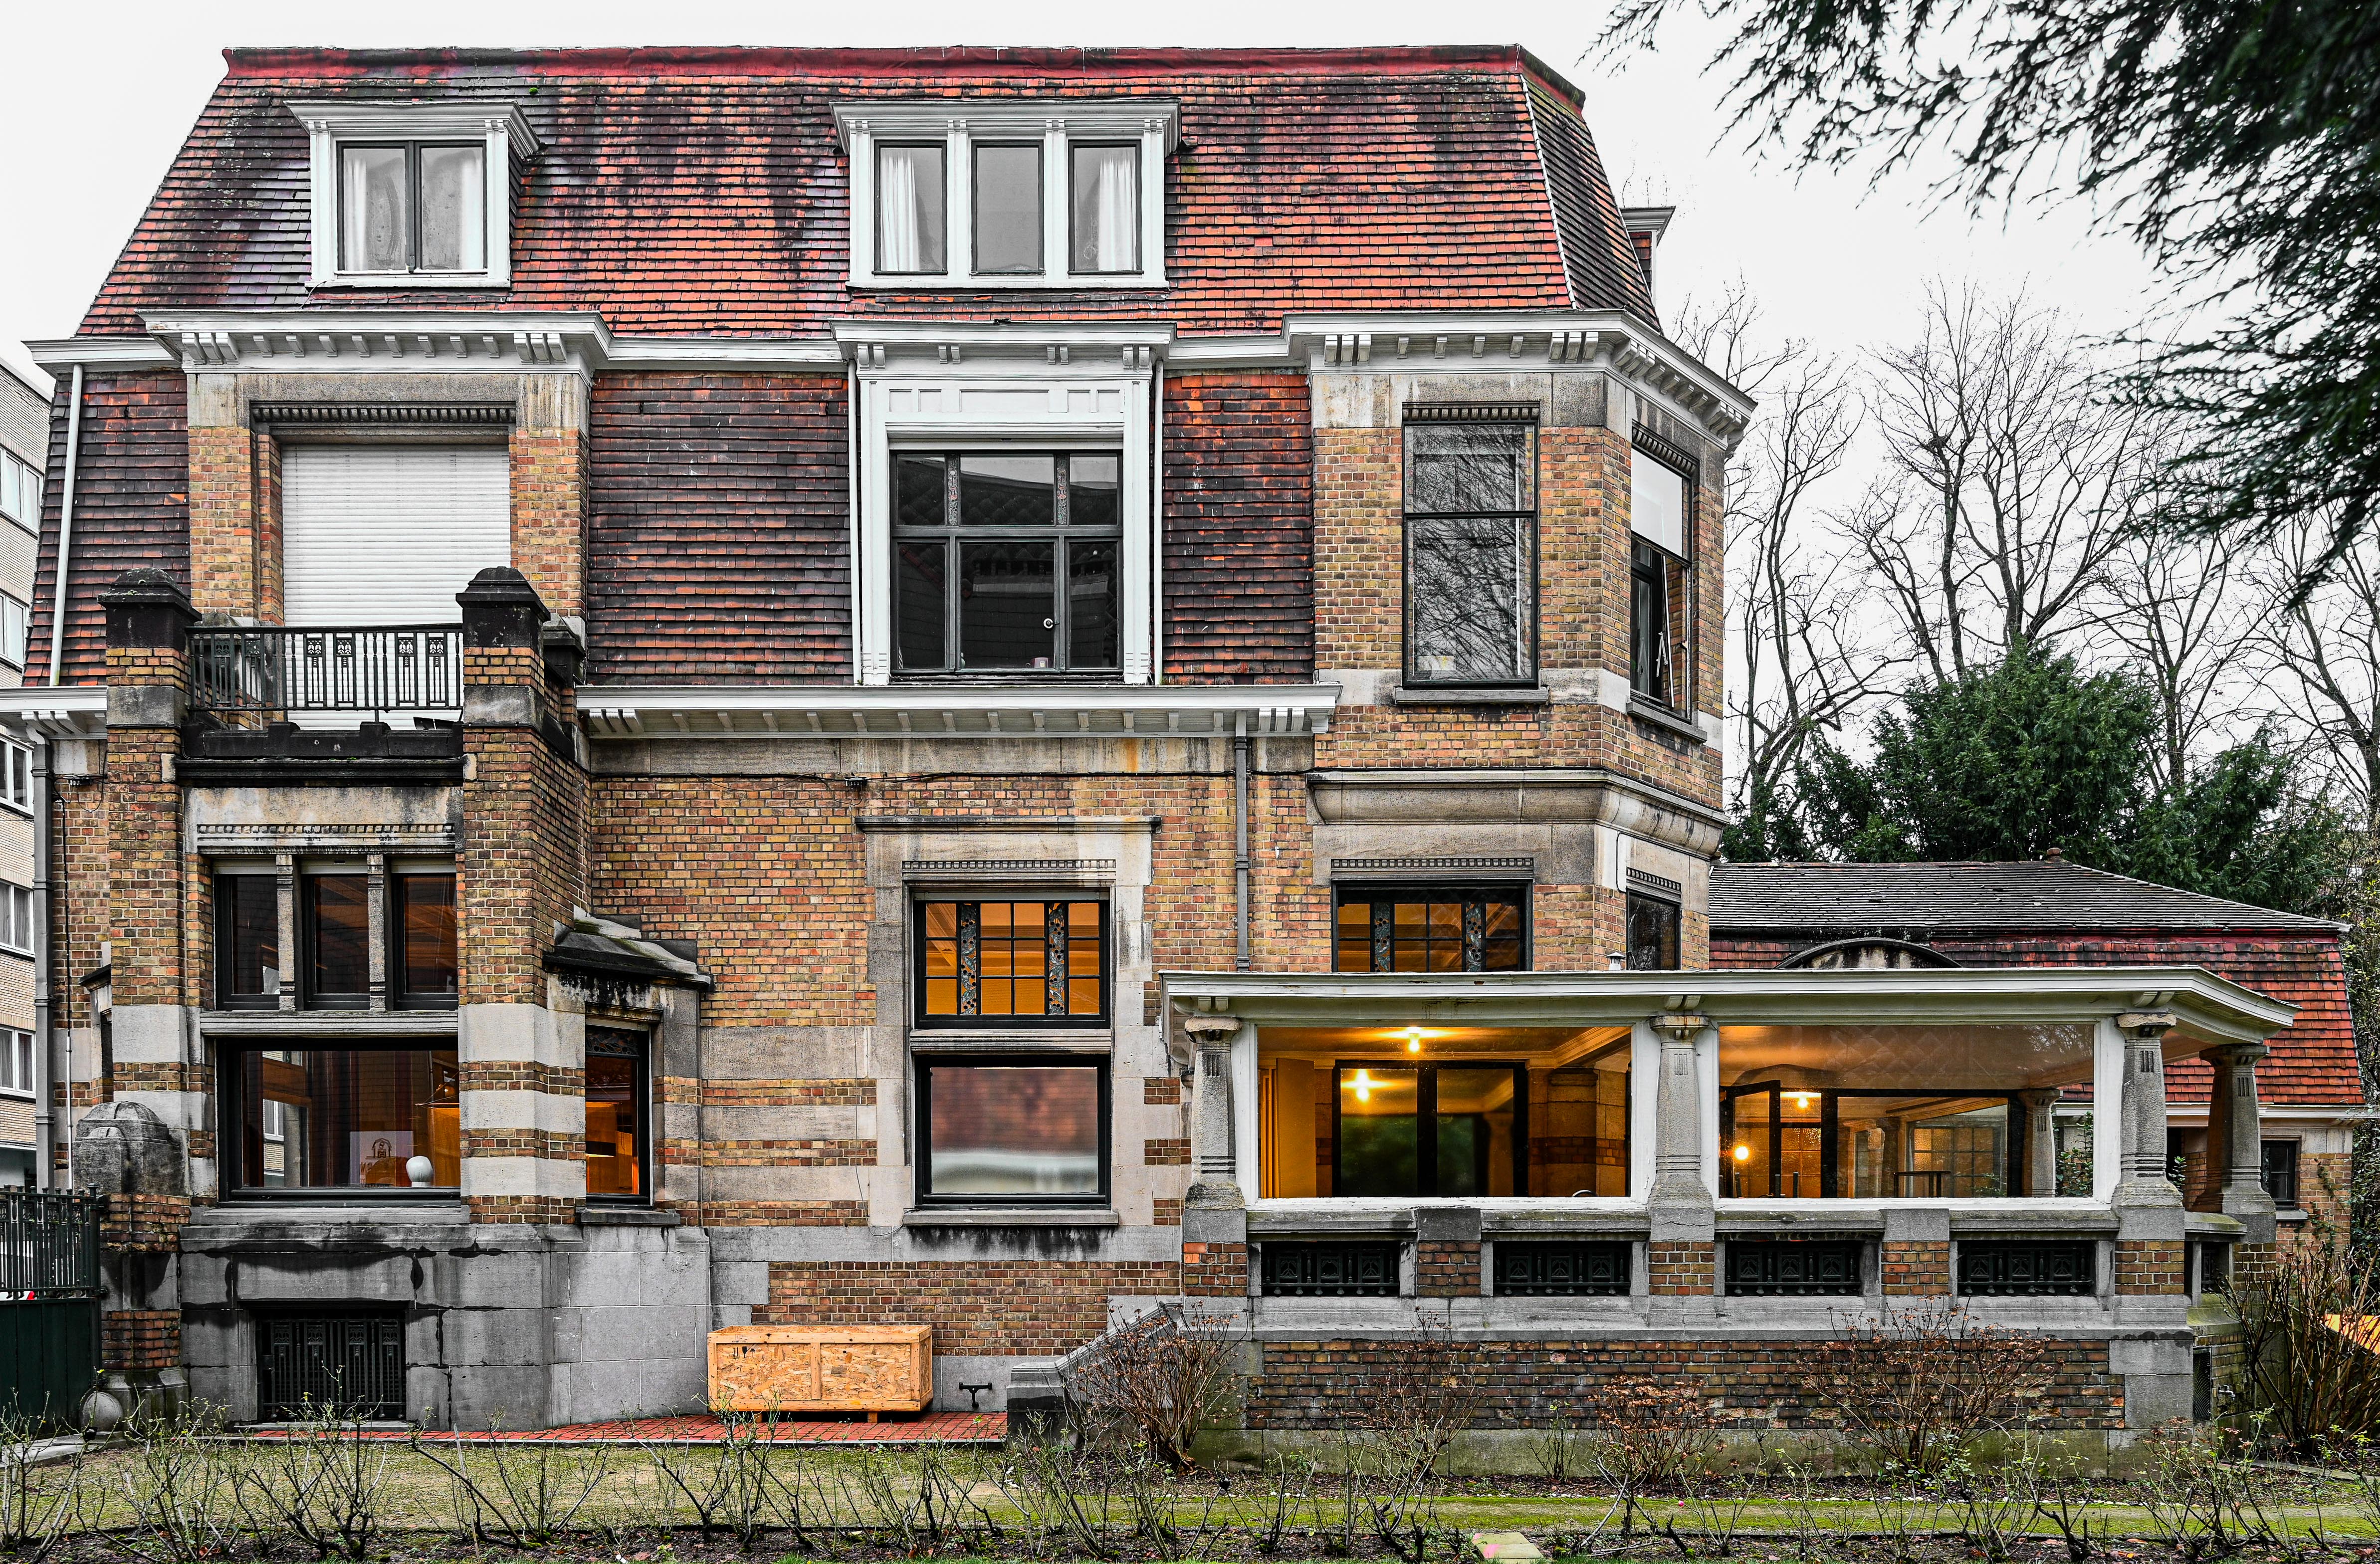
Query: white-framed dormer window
{"x": 1014, "y": 195}
{"x": 413, "y": 194}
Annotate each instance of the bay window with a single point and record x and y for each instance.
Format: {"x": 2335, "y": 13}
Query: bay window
{"x": 423, "y": 955}
{"x": 1471, "y": 549}
{"x": 248, "y": 941}
{"x": 334, "y": 920}
{"x": 1433, "y": 929}
{"x": 333, "y": 911}
{"x": 1024, "y": 1127}
{"x": 1010, "y": 194}
{"x": 1008, "y": 562}
{"x": 347, "y": 1119}
{"x": 1661, "y": 491}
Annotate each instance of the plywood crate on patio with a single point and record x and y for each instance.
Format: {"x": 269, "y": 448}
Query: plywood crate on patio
{"x": 788, "y": 1368}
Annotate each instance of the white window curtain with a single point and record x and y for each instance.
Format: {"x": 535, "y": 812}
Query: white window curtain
{"x": 1106, "y": 209}
{"x": 454, "y": 209}
{"x": 909, "y": 209}
{"x": 375, "y": 215}
{"x": 1656, "y": 503}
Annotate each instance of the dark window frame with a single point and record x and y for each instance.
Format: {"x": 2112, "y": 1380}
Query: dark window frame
{"x": 640, "y": 1052}
{"x": 2283, "y": 1179}
{"x": 919, "y": 1019}
{"x": 878, "y": 176}
{"x": 1377, "y": 893}
{"x": 2013, "y": 1152}
{"x": 1673, "y": 578}
{"x": 922, "y": 1067}
{"x": 414, "y": 207}
{"x": 976, "y": 148}
{"x": 1637, "y": 896}
{"x": 1425, "y": 1122}
{"x": 393, "y": 921}
{"x": 1073, "y": 195}
{"x": 309, "y": 997}
{"x": 385, "y": 1327}
{"x": 1441, "y": 417}
{"x": 1062, "y": 533}
{"x": 231, "y": 1124}
{"x": 225, "y": 944}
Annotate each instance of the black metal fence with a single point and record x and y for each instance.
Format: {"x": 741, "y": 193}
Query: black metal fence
{"x": 349, "y": 1363}
{"x": 263, "y": 672}
{"x": 49, "y": 1302}
{"x": 48, "y": 1244}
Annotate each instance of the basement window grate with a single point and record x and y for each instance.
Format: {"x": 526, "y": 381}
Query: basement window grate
{"x": 351, "y": 1364}
{"x": 1332, "y": 1270}
{"x": 2028, "y": 1268}
{"x": 1562, "y": 1270}
{"x": 1793, "y": 1268}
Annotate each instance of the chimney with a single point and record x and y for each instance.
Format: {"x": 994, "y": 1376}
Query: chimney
{"x": 1646, "y": 225}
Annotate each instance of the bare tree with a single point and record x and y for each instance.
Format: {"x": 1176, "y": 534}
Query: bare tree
{"x": 2178, "y": 607}
{"x": 2325, "y": 650}
{"x": 2010, "y": 481}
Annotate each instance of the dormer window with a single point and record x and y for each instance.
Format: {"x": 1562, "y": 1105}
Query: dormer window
{"x": 410, "y": 195}
{"x": 1008, "y": 195}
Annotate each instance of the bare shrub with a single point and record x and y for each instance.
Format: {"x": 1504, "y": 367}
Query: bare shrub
{"x": 531, "y": 1491}
{"x": 743, "y": 1486}
{"x": 2205, "y": 1505}
{"x": 1647, "y": 1435}
{"x": 178, "y": 1485}
{"x": 1425, "y": 1390}
{"x": 1916, "y": 1386}
{"x": 38, "y": 1504}
{"x": 1162, "y": 1376}
{"x": 323, "y": 1483}
{"x": 2311, "y": 1386}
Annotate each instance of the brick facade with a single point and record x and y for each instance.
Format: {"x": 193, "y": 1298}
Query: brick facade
{"x": 2151, "y": 1266}
{"x": 1920, "y": 1266}
{"x": 1681, "y": 1269}
{"x": 139, "y": 1340}
{"x": 1025, "y": 1308}
{"x": 1446, "y": 1269}
{"x": 1215, "y": 1271}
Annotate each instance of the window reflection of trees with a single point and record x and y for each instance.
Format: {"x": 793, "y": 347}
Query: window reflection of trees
{"x": 1471, "y": 552}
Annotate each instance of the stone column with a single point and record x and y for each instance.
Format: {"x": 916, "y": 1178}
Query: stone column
{"x": 2041, "y": 1140}
{"x": 2145, "y": 1181}
{"x": 1682, "y": 1254}
{"x": 2235, "y": 1139}
{"x": 1215, "y": 1216}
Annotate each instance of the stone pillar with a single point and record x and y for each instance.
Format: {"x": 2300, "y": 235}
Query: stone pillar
{"x": 1215, "y": 1216}
{"x": 523, "y": 1075}
{"x": 1682, "y": 1254}
{"x": 156, "y": 1062}
{"x": 2041, "y": 1140}
{"x": 2235, "y": 1139}
{"x": 2145, "y": 1181}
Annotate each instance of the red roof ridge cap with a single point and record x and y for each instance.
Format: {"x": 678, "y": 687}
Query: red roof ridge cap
{"x": 333, "y": 63}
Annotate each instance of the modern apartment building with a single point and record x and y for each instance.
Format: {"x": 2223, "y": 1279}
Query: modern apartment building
{"x": 24, "y": 448}
{"x": 972, "y": 687}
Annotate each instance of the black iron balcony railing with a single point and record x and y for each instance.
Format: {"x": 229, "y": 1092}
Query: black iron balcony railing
{"x": 261, "y": 673}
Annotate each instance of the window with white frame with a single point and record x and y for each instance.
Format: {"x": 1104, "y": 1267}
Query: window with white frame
{"x": 1008, "y": 195}
{"x": 20, "y": 491}
{"x": 16, "y": 776}
{"x": 16, "y": 1064}
{"x": 413, "y": 194}
{"x": 15, "y": 918}
{"x": 15, "y": 618}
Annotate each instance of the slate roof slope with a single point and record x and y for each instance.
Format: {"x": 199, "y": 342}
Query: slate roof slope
{"x": 701, "y": 191}
{"x": 1873, "y": 898}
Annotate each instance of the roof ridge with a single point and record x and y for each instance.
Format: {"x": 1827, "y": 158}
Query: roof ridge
{"x": 1034, "y": 59}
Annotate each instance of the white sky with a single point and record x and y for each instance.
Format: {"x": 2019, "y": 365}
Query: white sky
{"x": 1828, "y": 259}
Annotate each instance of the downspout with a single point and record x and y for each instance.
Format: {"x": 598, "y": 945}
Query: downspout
{"x": 66, "y": 529}
{"x": 1157, "y": 528}
{"x": 851, "y": 509}
{"x": 1240, "y": 831}
{"x": 44, "y": 1115}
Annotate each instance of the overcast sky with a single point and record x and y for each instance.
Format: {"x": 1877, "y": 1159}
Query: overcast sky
{"x": 1829, "y": 259}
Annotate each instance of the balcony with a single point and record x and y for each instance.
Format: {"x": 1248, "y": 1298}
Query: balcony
{"x": 322, "y": 699}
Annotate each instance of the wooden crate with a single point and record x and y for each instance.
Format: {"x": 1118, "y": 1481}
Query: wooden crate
{"x": 791, "y": 1368}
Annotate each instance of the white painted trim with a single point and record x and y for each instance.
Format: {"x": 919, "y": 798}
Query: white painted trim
{"x": 100, "y": 353}
{"x": 948, "y": 711}
{"x": 1644, "y": 1104}
{"x": 54, "y": 711}
{"x": 2212, "y": 1009}
{"x": 1047, "y": 403}
{"x": 2108, "y": 1092}
{"x": 1056, "y": 123}
{"x": 497, "y": 125}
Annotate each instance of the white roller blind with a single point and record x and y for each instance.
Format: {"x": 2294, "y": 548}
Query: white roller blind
{"x": 1656, "y": 503}
{"x": 388, "y": 534}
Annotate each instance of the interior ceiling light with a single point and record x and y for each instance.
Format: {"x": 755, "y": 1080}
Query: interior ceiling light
{"x": 1362, "y": 1086}
{"x": 1413, "y": 1040}
{"x": 1743, "y": 1152}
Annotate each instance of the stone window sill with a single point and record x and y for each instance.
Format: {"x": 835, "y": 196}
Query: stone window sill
{"x": 593, "y": 1216}
{"x": 1423, "y": 695}
{"x": 1655, "y": 714}
{"x": 1008, "y": 1217}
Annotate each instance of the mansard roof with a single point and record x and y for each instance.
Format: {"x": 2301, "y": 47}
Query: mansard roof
{"x": 703, "y": 190}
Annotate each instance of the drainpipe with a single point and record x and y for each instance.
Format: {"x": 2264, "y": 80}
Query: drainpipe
{"x": 44, "y": 1115}
{"x": 851, "y": 508}
{"x": 1157, "y": 527}
{"x": 1240, "y": 830}
{"x": 66, "y": 529}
